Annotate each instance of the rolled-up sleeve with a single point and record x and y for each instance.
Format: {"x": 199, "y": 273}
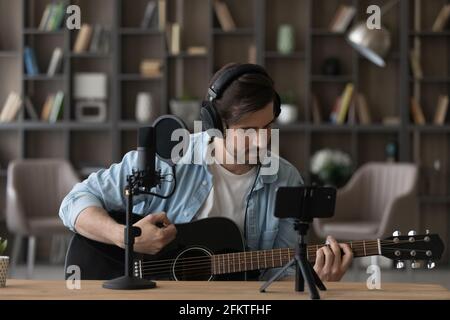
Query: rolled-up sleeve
{"x": 103, "y": 188}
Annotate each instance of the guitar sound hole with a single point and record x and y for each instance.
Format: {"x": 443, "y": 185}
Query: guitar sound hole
{"x": 193, "y": 264}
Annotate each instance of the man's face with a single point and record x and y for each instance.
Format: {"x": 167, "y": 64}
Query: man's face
{"x": 247, "y": 133}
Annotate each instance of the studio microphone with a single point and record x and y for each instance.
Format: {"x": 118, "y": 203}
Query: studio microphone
{"x": 146, "y": 151}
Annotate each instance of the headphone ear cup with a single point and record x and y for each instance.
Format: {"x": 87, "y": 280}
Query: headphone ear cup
{"x": 210, "y": 118}
{"x": 277, "y": 105}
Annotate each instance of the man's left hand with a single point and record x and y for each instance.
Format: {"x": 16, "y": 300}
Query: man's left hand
{"x": 330, "y": 264}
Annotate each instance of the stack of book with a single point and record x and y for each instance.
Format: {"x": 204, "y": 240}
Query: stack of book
{"x": 53, "y": 17}
{"x": 52, "y": 108}
{"x": 342, "y": 19}
{"x": 92, "y": 39}
{"x": 224, "y": 16}
{"x": 151, "y": 68}
{"x": 351, "y": 107}
{"x": 11, "y": 107}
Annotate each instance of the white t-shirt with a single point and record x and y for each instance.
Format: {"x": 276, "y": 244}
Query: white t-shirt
{"x": 228, "y": 196}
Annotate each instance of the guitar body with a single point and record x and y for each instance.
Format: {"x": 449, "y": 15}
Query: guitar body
{"x": 195, "y": 243}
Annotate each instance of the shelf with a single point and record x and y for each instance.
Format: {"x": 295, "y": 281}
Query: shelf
{"x": 15, "y": 125}
{"x": 9, "y": 54}
{"x": 328, "y": 127}
{"x": 130, "y": 125}
{"x": 43, "y": 77}
{"x": 237, "y": 32}
{"x": 431, "y": 79}
{"x": 326, "y": 33}
{"x": 430, "y": 128}
{"x": 185, "y": 55}
{"x": 278, "y": 55}
{"x": 32, "y": 31}
{"x": 338, "y": 79}
{"x": 60, "y": 125}
{"x": 140, "y": 32}
{"x": 90, "y": 55}
{"x": 427, "y": 199}
{"x": 429, "y": 34}
{"x": 138, "y": 77}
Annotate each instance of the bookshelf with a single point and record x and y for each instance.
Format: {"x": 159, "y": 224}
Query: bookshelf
{"x": 387, "y": 89}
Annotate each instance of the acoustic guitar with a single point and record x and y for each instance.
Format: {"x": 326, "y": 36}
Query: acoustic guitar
{"x": 213, "y": 249}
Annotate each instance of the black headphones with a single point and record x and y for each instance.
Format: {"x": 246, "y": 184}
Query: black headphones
{"x": 209, "y": 115}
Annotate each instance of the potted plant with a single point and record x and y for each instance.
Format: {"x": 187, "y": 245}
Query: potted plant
{"x": 289, "y": 109}
{"x": 331, "y": 167}
{"x": 187, "y": 108}
{"x": 4, "y": 261}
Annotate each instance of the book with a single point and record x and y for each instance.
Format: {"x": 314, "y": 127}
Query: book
{"x": 151, "y": 68}
{"x": 345, "y": 103}
{"x": 252, "y": 54}
{"x": 342, "y": 19}
{"x": 196, "y": 50}
{"x": 175, "y": 39}
{"x": 391, "y": 121}
{"x": 162, "y": 15}
{"x": 362, "y": 110}
{"x": 224, "y": 16}
{"x": 96, "y": 39}
{"x": 335, "y": 111}
{"x": 148, "y": 15}
{"x": 415, "y": 64}
{"x": 31, "y": 111}
{"x": 56, "y": 17}
{"x": 56, "y": 108}
{"x": 55, "y": 62}
{"x": 417, "y": 112}
{"x": 441, "y": 19}
{"x": 47, "y": 107}
{"x": 11, "y": 107}
{"x": 351, "y": 119}
{"x": 316, "y": 113}
{"x": 83, "y": 39}
{"x": 45, "y": 17}
{"x": 441, "y": 110}
{"x": 31, "y": 66}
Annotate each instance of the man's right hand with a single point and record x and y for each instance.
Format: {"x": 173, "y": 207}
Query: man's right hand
{"x": 153, "y": 238}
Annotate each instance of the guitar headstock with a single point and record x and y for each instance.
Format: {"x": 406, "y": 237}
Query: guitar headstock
{"x": 427, "y": 247}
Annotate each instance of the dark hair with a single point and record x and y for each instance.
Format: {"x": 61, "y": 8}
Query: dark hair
{"x": 249, "y": 93}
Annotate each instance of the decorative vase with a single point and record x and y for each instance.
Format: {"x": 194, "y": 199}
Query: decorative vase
{"x": 144, "y": 107}
{"x": 285, "y": 39}
{"x": 4, "y": 262}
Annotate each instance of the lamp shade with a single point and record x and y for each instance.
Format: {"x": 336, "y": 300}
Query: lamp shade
{"x": 372, "y": 44}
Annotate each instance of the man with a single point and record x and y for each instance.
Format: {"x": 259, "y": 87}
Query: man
{"x": 241, "y": 98}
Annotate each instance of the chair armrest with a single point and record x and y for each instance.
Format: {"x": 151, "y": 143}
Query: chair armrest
{"x": 401, "y": 214}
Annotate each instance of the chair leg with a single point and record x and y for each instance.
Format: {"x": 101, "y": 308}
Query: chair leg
{"x": 16, "y": 252}
{"x": 31, "y": 255}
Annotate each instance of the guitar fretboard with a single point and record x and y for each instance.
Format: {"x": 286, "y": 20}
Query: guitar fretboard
{"x": 263, "y": 259}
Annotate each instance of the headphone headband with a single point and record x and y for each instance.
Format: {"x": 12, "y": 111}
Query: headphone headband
{"x": 222, "y": 82}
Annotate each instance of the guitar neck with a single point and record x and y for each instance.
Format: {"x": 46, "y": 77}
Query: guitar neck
{"x": 263, "y": 259}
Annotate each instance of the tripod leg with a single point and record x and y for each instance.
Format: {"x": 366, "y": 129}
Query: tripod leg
{"x": 308, "y": 275}
{"x": 299, "y": 279}
{"x": 276, "y": 276}
{"x": 317, "y": 280}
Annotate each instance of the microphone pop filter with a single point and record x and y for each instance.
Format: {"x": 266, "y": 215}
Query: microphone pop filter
{"x": 171, "y": 133}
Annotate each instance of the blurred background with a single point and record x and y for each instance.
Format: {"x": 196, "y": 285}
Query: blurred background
{"x": 359, "y": 105}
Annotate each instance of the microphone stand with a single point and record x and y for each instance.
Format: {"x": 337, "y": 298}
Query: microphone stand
{"x": 129, "y": 281}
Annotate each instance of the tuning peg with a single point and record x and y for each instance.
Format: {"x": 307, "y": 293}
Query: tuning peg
{"x": 416, "y": 264}
{"x": 400, "y": 264}
{"x": 430, "y": 264}
{"x": 412, "y": 233}
{"x": 396, "y": 233}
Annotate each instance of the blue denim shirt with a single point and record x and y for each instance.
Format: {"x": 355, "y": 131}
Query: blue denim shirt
{"x": 194, "y": 182}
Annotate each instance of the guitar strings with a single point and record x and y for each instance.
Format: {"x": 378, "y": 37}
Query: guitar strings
{"x": 265, "y": 253}
{"x": 207, "y": 267}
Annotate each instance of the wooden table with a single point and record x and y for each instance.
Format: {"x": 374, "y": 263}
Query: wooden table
{"x": 170, "y": 290}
